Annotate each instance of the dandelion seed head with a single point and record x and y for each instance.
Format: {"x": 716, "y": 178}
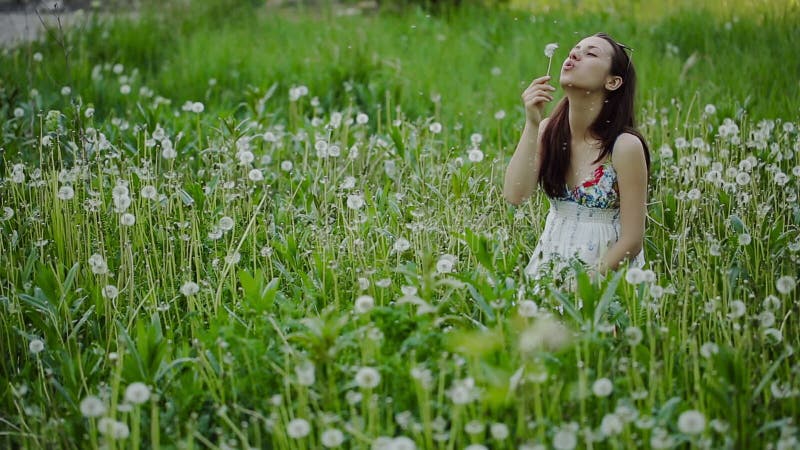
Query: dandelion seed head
{"x": 36, "y": 346}
{"x": 367, "y": 378}
{"x": 332, "y": 437}
{"x": 92, "y": 406}
{"x": 298, "y": 428}
{"x": 137, "y": 393}
{"x": 691, "y": 422}
{"x": 189, "y": 288}
{"x": 550, "y": 49}
{"x": 602, "y": 387}
{"x": 785, "y": 284}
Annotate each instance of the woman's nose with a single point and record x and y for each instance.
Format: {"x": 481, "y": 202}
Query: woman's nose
{"x": 573, "y": 54}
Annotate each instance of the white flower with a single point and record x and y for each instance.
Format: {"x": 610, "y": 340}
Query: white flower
{"x": 476, "y": 447}
{"x": 500, "y": 114}
{"x": 611, "y": 425}
{"x": 47, "y": 141}
{"x": 125, "y": 89}
{"x": 110, "y": 292}
{"x": 550, "y": 49}
{"x": 367, "y": 378}
{"x": 198, "y": 107}
{"x": 98, "y": 264}
{"x": 708, "y": 349}
{"x": 499, "y": 431}
{"x": 66, "y": 193}
{"x": 36, "y": 346}
{"x": 445, "y": 263}
{"x": 565, "y": 439}
{"x": 602, "y": 387}
{"x": 402, "y": 443}
{"x": 137, "y": 393}
{"x": 127, "y": 219}
{"x": 287, "y": 166}
{"x": 435, "y": 128}
{"x": 401, "y": 245}
{"x": 635, "y": 275}
{"x": 226, "y": 223}
{"x": 149, "y": 192}
{"x": 745, "y": 239}
{"x": 475, "y": 155}
{"x": 742, "y": 178}
{"x": 19, "y": 112}
{"x": 634, "y": 335}
{"x": 785, "y": 284}
{"x": 362, "y": 118}
{"x": 364, "y": 304}
{"x": 332, "y": 438}
{"x": 66, "y": 90}
{"x": 737, "y": 309}
{"x": 255, "y": 175}
{"x": 306, "y": 373}
{"x": 92, "y": 406}
{"x": 298, "y": 428}
{"x": 527, "y": 308}
{"x": 710, "y": 109}
{"x": 189, "y": 288}
{"x": 355, "y": 201}
{"x": 691, "y": 422}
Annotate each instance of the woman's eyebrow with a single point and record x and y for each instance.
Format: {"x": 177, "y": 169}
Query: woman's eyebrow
{"x": 588, "y": 46}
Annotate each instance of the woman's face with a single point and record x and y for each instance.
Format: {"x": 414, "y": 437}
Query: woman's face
{"x": 588, "y": 65}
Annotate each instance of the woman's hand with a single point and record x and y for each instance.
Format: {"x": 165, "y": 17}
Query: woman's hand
{"x": 535, "y": 96}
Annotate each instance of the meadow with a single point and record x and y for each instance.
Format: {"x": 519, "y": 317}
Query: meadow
{"x": 225, "y": 225}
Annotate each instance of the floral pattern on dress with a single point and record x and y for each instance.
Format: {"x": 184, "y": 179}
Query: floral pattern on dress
{"x": 599, "y": 190}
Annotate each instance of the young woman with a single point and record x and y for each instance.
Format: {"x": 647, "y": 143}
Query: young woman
{"x": 588, "y": 159}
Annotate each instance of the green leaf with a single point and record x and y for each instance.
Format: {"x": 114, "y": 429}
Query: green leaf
{"x": 608, "y": 294}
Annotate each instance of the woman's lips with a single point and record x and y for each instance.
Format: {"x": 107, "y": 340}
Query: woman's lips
{"x": 568, "y": 65}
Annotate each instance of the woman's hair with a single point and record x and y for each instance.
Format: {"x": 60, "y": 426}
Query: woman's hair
{"x": 616, "y": 117}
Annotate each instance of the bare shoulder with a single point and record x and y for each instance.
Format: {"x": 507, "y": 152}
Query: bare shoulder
{"x": 628, "y": 151}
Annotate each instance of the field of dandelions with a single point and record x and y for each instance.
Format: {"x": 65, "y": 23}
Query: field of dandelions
{"x": 208, "y": 245}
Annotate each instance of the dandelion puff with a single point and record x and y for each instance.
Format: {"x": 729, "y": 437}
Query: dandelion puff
{"x": 364, "y": 304}
{"x": 445, "y": 264}
{"x": 474, "y": 427}
{"x": 149, "y": 192}
{"x": 435, "y": 128}
{"x": 785, "y": 284}
{"x": 197, "y": 107}
{"x": 368, "y": 378}
{"x": 332, "y": 437}
{"x": 549, "y": 51}
{"x": 635, "y": 275}
{"x": 127, "y": 219}
{"x": 355, "y": 201}
{"x": 226, "y": 223}
{"x": 737, "y": 309}
{"x": 110, "y": 292}
{"x": 710, "y": 109}
{"x": 189, "y": 288}
{"x": 691, "y": 422}
{"x": 476, "y": 447}
{"x": 611, "y": 425}
{"x": 306, "y": 373}
{"x": 634, "y": 335}
{"x": 709, "y": 349}
{"x": 744, "y": 239}
{"x": 18, "y": 113}
{"x": 602, "y": 387}
{"x": 500, "y": 114}
{"x": 36, "y": 346}
{"x": 362, "y": 118}
{"x": 401, "y": 245}
{"x": 565, "y": 439}
{"x": 287, "y": 166}
{"x": 527, "y": 308}
{"x": 298, "y": 428}
{"x": 475, "y": 155}
{"x": 403, "y": 443}
{"x": 92, "y": 406}
{"x": 66, "y": 193}
{"x": 137, "y": 393}
{"x": 499, "y": 431}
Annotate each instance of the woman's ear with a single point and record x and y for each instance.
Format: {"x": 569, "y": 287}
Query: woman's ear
{"x": 613, "y": 83}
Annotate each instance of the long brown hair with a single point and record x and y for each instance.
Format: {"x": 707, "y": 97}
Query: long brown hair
{"x": 616, "y": 117}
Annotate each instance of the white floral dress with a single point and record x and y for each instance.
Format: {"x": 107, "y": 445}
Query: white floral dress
{"x": 583, "y": 224}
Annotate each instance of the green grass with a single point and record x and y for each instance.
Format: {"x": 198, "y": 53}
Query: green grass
{"x": 280, "y": 327}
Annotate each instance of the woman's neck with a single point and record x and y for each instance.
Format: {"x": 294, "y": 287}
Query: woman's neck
{"x": 584, "y": 107}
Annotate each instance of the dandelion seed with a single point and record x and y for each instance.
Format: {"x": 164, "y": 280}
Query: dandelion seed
{"x": 475, "y": 155}
{"x": 435, "y": 128}
{"x": 709, "y": 349}
{"x": 364, "y": 304}
{"x": 635, "y": 276}
{"x": 225, "y": 223}
{"x": 611, "y": 425}
{"x": 332, "y": 438}
{"x": 691, "y": 422}
{"x": 66, "y": 193}
{"x": 367, "y": 378}
{"x": 355, "y": 201}
{"x": 528, "y": 308}
{"x": 137, "y": 393}
{"x": 565, "y": 439}
{"x": 189, "y": 288}
{"x": 298, "y": 428}
{"x": 255, "y": 175}
{"x": 110, "y": 292}
{"x": 401, "y": 245}
{"x": 36, "y": 346}
{"x": 499, "y": 431}
{"x": 602, "y": 387}
{"x": 127, "y": 219}
{"x": 785, "y": 284}
{"x": 92, "y": 407}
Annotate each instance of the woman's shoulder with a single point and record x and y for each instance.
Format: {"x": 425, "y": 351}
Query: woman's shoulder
{"x": 627, "y": 146}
